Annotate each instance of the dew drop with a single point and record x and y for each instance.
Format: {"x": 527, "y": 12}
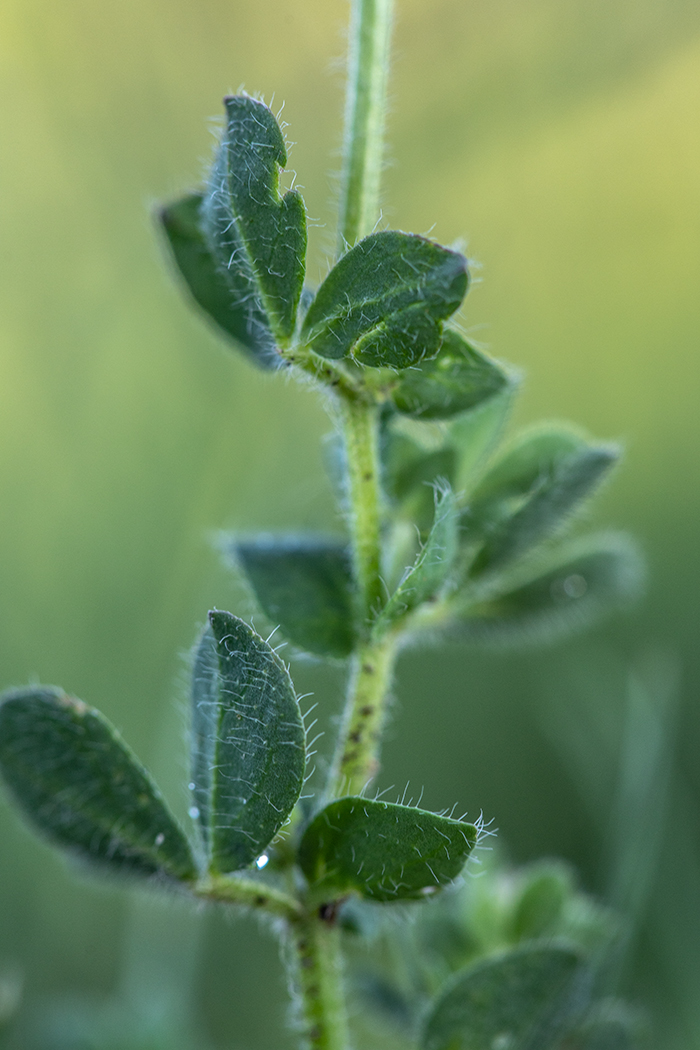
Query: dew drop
{"x": 193, "y": 812}
{"x": 262, "y": 860}
{"x": 160, "y": 839}
{"x": 191, "y": 786}
{"x": 574, "y": 586}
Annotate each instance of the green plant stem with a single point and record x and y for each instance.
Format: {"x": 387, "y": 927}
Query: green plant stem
{"x": 357, "y": 752}
{"x": 320, "y": 980}
{"x": 365, "y": 115}
{"x": 361, "y": 433}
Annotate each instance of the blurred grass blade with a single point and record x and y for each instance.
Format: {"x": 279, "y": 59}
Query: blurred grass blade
{"x": 587, "y": 578}
{"x": 385, "y": 301}
{"x": 382, "y": 850}
{"x": 259, "y": 238}
{"x": 78, "y": 782}
{"x": 459, "y": 378}
{"x": 432, "y": 566}
{"x": 305, "y": 586}
{"x": 211, "y": 286}
{"x": 520, "y": 1001}
{"x": 248, "y": 744}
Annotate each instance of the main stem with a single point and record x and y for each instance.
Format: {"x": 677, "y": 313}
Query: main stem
{"x": 365, "y": 115}
{"x": 316, "y": 935}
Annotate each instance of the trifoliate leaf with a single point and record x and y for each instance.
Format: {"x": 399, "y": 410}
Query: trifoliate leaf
{"x": 79, "y": 783}
{"x": 213, "y": 287}
{"x": 304, "y": 585}
{"x": 382, "y": 850}
{"x": 459, "y": 378}
{"x": 520, "y": 1001}
{"x": 432, "y": 566}
{"x": 258, "y": 238}
{"x": 384, "y": 303}
{"x": 248, "y": 745}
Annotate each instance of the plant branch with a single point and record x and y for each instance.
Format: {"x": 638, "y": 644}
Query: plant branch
{"x": 320, "y": 980}
{"x": 250, "y": 894}
{"x": 365, "y": 114}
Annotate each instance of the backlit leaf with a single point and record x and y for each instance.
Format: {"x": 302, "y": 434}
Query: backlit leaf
{"x": 382, "y": 850}
{"x": 385, "y": 301}
{"x": 248, "y": 746}
{"x": 80, "y": 784}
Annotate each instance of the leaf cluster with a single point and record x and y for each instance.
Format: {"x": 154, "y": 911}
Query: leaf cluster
{"x": 509, "y": 959}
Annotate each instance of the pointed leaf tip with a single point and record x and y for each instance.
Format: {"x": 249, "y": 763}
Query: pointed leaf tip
{"x": 382, "y": 850}
{"x": 248, "y": 743}
{"x": 80, "y": 784}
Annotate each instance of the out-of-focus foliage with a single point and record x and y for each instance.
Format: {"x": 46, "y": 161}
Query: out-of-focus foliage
{"x": 563, "y": 141}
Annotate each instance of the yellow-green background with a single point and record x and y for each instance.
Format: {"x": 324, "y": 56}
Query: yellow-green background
{"x": 561, "y": 138}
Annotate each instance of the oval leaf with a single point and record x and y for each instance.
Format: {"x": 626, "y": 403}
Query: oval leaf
{"x": 521, "y": 1001}
{"x": 587, "y": 578}
{"x": 385, "y": 301}
{"x": 304, "y": 585}
{"x": 78, "y": 782}
{"x": 248, "y": 744}
{"x": 382, "y": 850}
{"x": 259, "y": 239}
{"x": 459, "y": 378}
{"x": 214, "y": 288}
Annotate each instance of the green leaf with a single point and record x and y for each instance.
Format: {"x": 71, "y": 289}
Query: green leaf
{"x": 586, "y": 579}
{"x": 459, "y": 378}
{"x": 78, "y": 782}
{"x": 611, "y": 1025}
{"x": 258, "y": 238}
{"x": 539, "y": 906}
{"x": 476, "y": 433}
{"x": 432, "y": 566}
{"x": 218, "y": 291}
{"x": 518, "y": 1001}
{"x": 384, "y": 302}
{"x": 248, "y": 745}
{"x": 536, "y": 499}
{"x": 382, "y": 850}
{"x": 304, "y": 585}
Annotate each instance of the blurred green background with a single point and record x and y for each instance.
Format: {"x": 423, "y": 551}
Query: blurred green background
{"x": 562, "y": 140}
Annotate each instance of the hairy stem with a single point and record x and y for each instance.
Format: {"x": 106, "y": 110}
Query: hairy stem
{"x": 320, "y": 981}
{"x": 361, "y": 432}
{"x": 365, "y": 113}
{"x": 233, "y": 890}
{"x": 357, "y": 753}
